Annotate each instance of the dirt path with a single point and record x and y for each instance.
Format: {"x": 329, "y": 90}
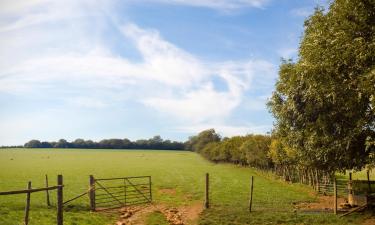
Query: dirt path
{"x": 370, "y": 221}
{"x": 326, "y": 203}
{"x": 182, "y": 215}
{"x": 323, "y": 203}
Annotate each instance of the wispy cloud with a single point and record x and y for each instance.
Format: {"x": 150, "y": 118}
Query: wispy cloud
{"x": 199, "y": 100}
{"x": 215, "y": 4}
{"x": 86, "y": 102}
{"x": 288, "y": 53}
{"x": 74, "y": 63}
{"x": 303, "y": 11}
{"x": 227, "y": 130}
{"x": 185, "y": 85}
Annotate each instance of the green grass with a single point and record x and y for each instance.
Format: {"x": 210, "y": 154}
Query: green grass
{"x": 359, "y": 175}
{"x": 359, "y": 178}
{"x": 183, "y": 171}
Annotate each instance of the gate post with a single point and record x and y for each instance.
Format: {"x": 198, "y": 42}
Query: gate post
{"x": 92, "y": 193}
{"x": 368, "y": 181}
{"x": 335, "y": 196}
{"x": 350, "y": 189}
{"x": 27, "y": 208}
{"x": 60, "y": 200}
{"x": 150, "y": 187}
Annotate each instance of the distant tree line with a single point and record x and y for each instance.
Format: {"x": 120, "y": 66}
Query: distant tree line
{"x": 11, "y": 146}
{"x": 264, "y": 152}
{"x": 250, "y": 150}
{"x": 153, "y": 143}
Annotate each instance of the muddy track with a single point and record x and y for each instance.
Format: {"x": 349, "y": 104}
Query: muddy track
{"x": 182, "y": 215}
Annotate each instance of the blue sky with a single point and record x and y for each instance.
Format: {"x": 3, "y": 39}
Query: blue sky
{"x": 137, "y": 68}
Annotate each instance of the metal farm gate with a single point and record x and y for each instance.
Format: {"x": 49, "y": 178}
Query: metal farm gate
{"x": 111, "y": 193}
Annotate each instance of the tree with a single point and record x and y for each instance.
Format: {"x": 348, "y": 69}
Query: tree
{"x": 127, "y": 144}
{"x": 46, "y": 144}
{"x": 153, "y": 143}
{"x": 62, "y": 143}
{"x": 79, "y": 143}
{"x": 91, "y": 144}
{"x": 231, "y": 150}
{"x": 197, "y": 143}
{"x": 255, "y": 150}
{"x": 33, "y": 144}
{"x": 324, "y": 102}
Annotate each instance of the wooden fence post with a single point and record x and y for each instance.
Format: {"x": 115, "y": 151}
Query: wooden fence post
{"x": 317, "y": 181}
{"x": 60, "y": 200}
{"x": 150, "y": 186}
{"x": 92, "y": 193}
{"x": 251, "y": 193}
{"x": 207, "y": 202}
{"x": 47, "y": 192}
{"x": 335, "y": 196}
{"x": 27, "y": 208}
{"x": 368, "y": 181}
{"x": 125, "y": 192}
{"x": 350, "y": 189}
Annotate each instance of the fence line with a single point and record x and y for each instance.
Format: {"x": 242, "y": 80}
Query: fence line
{"x": 28, "y": 192}
{"x": 140, "y": 192}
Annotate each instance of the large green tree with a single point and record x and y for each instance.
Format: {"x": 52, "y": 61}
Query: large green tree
{"x": 198, "y": 142}
{"x": 324, "y": 102}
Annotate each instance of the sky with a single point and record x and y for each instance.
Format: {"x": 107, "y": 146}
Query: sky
{"x": 133, "y": 69}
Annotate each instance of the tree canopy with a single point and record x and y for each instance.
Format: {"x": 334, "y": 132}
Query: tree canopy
{"x": 324, "y": 102}
{"x": 153, "y": 143}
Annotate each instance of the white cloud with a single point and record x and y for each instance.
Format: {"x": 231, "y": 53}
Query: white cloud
{"x": 22, "y": 14}
{"x": 288, "y": 53}
{"x": 215, "y": 4}
{"x": 185, "y": 83}
{"x": 258, "y": 103}
{"x": 303, "y": 12}
{"x": 163, "y": 61}
{"x": 86, "y": 102}
{"x": 74, "y": 62}
{"x": 207, "y": 104}
{"x": 227, "y": 130}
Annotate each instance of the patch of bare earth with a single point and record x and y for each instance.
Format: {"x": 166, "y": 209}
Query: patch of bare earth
{"x": 167, "y": 191}
{"x": 326, "y": 203}
{"x": 182, "y": 215}
{"x": 370, "y": 221}
{"x": 323, "y": 203}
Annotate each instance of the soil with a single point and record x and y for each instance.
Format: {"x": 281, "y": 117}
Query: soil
{"x": 326, "y": 203}
{"x": 168, "y": 191}
{"x": 323, "y": 203}
{"x": 182, "y": 215}
{"x": 370, "y": 221}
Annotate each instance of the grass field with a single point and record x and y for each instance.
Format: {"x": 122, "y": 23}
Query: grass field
{"x": 182, "y": 171}
{"x": 358, "y": 175}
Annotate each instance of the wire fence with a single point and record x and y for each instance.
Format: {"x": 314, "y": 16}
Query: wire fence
{"x": 327, "y": 188}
